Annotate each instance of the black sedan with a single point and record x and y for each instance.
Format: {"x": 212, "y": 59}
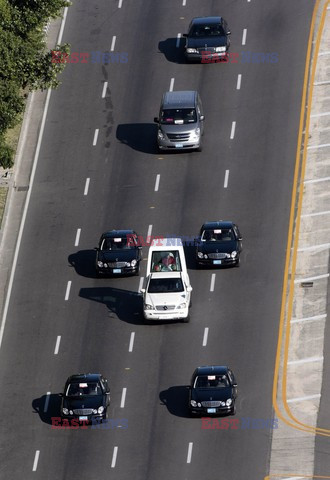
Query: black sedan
{"x": 118, "y": 253}
{"x": 213, "y": 391}
{"x": 85, "y": 397}
{"x": 219, "y": 243}
{"x": 207, "y": 39}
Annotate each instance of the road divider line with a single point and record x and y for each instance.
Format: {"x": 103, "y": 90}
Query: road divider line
{"x": 140, "y": 284}
{"x": 178, "y": 40}
{"x": 190, "y": 447}
{"x": 212, "y": 282}
{"x": 206, "y": 333}
{"x": 171, "y": 84}
{"x": 149, "y": 233}
{"x": 104, "y": 91}
{"x": 76, "y": 242}
{"x": 96, "y": 134}
{"x": 114, "y": 457}
{"x": 113, "y": 43}
{"x": 239, "y": 80}
{"x": 86, "y": 186}
{"x": 57, "y": 346}
{"x": 157, "y": 182}
{"x": 123, "y": 397}
{"x": 233, "y": 128}
{"x": 67, "y": 292}
{"x": 131, "y": 342}
{"x": 46, "y": 402}
{"x": 244, "y": 36}
{"x": 225, "y": 184}
{"x": 36, "y": 459}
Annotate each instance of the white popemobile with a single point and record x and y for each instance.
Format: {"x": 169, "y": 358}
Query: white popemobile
{"x": 167, "y": 295}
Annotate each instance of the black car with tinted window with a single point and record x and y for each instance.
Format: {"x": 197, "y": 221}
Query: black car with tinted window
{"x": 218, "y": 244}
{"x": 86, "y": 397}
{"x": 118, "y": 253}
{"x": 207, "y": 39}
{"x": 213, "y": 391}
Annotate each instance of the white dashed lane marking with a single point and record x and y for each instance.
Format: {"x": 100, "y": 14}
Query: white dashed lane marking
{"x": 232, "y": 132}
{"x": 225, "y": 184}
{"x": 57, "y": 346}
{"x": 190, "y": 447}
{"x": 67, "y": 292}
{"x": 96, "y": 134}
{"x": 86, "y": 186}
{"x": 46, "y": 402}
{"x": 171, "y": 84}
{"x": 104, "y": 91}
{"x": 239, "y": 80}
{"x": 244, "y": 36}
{"x": 131, "y": 342}
{"x": 157, "y": 182}
{"x": 113, "y": 43}
{"x": 114, "y": 457}
{"x": 123, "y": 397}
{"x": 76, "y": 242}
{"x": 212, "y": 282}
{"x": 206, "y": 333}
{"x": 35, "y": 463}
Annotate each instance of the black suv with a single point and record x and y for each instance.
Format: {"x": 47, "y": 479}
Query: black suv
{"x": 85, "y": 397}
{"x": 213, "y": 391}
{"x": 118, "y": 253}
{"x": 207, "y": 39}
{"x": 219, "y": 243}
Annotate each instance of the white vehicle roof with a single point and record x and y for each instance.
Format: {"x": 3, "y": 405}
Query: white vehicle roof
{"x": 158, "y": 250}
{"x": 165, "y": 275}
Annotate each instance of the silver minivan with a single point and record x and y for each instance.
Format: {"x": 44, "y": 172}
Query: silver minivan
{"x": 180, "y": 121}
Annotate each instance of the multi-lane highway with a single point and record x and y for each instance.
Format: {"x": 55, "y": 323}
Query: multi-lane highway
{"x": 62, "y": 320}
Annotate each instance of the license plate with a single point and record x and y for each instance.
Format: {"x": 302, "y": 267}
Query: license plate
{"x": 117, "y": 270}
{"x": 179, "y": 145}
{"x": 217, "y": 262}
{"x": 211, "y": 410}
{"x": 82, "y": 418}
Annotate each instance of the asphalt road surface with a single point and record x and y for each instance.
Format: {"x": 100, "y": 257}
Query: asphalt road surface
{"x": 96, "y": 317}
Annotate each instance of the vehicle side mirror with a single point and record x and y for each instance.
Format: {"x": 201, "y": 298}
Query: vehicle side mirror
{"x": 202, "y": 117}
{"x": 189, "y": 289}
{"x": 60, "y": 394}
{"x": 228, "y": 32}
{"x": 185, "y": 34}
{"x": 240, "y": 238}
{"x": 235, "y": 385}
{"x": 96, "y": 248}
{"x": 139, "y": 247}
{"x": 156, "y": 119}
{"x": 142, "y": 290}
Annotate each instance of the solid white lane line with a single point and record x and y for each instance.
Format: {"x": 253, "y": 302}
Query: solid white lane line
{"x": 244, "y": 36}
{"x": 190, "y": 447}
{"x": 325, "y": 114}
{"x": 46, "y": 402}
{"x": 140, "y": 284}
{"x": 306, "y": 360}
{"x": 57, "y": 346}
{"x": 226, "y": 179}
{"x": 59, "y": 40}
{"x": 149, "y": 233}
{"x": 86, "y": 186}
{"x": 76, "y": 242}
{"x": 96, "y": 134}
{"x": 309, "y": 319}
{"x": 325, "y": 212}
{"x": 67, "y": 292}
{"x": 178, "y": 40}
{"x": 239, "y": 80}
{"x": 104, "y": 91}
{"x": 206, "y": 333}
{"x": 113, "y": 43}
{"x": 301, "y": 399}
{"x": 157, "y": 182}
{"x": 120, "y": 3}
{"x": 317, "y": 180}
{"x": 114, "y": 457}
{"x": 309, "y": 279}
{"x": 35, "y": 463}
{"x": 232, "y": 133}
{"x": 322, "y": 246}
{"x": 123, "y": 397}
{"x": 212, "y": 282}
{"x": 171, "y": 84}
{"x": 131, "y": 342}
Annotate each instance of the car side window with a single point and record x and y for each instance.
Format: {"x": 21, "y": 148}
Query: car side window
{"x": 231, "y": 377}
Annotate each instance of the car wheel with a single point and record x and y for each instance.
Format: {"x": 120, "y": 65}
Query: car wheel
{"x": 186, "y": 320}
{"x": 200, "y": 148}
{"x": 137, "y": 273}
{"x": 238, "y": 261}
{"x": 233, "y": 412}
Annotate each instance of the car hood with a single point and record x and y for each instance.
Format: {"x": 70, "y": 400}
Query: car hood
{"x": 165, "y": 298}
{"x": 117, "y": 255}
{"x": 206, "y": 394}
{"x": 200, "y": 42}
{"x": 178, "y": 128}
{"x": 93, "y": 401}
{"x": 222, "y": 247}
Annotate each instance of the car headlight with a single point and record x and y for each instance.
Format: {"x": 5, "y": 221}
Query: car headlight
{"x": 160, "y": 135}
{"x": 197, "y": 132}
{"x": 65, "y": 411}
{"x": 193, "y": 403}
{"x": 127, "y": 264}
{"x": 191, "y": 50}
{"x": 227, "y": 255}
{"x": 229, "y": 402}
{"x": 100, "y": 410}
{"x": 205, "y": 255}
{"x": 233, "y": 254}
{"x": 182, "y": 305}
{"x": 220, "y": 49}
{"x": 100, "y": 264}
{"x": 133, "y": 263}
{"x": 148, "y": 307}
{"x": 94, "y": 410}
{"x": 200, "y": 254}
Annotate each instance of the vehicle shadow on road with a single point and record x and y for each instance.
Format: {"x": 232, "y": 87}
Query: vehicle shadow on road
{"x": 51, "y": 403}
{"x": 127, "y": 305}
{"x": 83, "y": 262}
{"x": 176, "y": 400}
{"x": 139, "y": 136}
{"x": 171, "y": 52}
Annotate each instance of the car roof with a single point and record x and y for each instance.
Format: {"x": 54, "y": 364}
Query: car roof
{"x": 170, "y": 274}
{"x": 214, "y": 225}
{"x": 179, "y": 99}
{"x": 117, "y": 233}
{"x": 84, "y": 377}
{"x": 211, "y": 370}
{"x": 205, "y": 20}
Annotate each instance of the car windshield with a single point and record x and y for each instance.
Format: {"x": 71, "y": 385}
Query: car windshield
{"x": 165, "y": 261}
{"x": 211, "y": 381}
{"x": 215, "y": 30}
{"x": 218, "y": 235}
{"x": 165, "y": 285}
{"x": 117, "y": 243}
{"x": 178, "y": 116}
{"x": 77, "y": 389}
